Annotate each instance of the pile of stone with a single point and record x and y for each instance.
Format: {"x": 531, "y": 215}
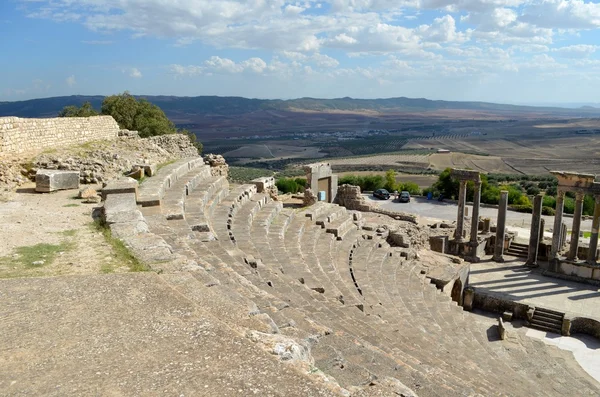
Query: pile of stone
{"x": 12, "y": 174}
{"x": 217, "y": 163}
{"x": 105, "y": 160}
{"x": 178, "y": 145}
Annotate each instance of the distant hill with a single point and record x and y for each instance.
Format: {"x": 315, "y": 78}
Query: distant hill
{"x": 231, "y": 106}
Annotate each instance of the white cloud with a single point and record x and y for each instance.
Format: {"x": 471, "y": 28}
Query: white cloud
{"x": 135, "y": 73}
{"x": 566, "y": 14}
{"x": 255, "y": 65}
{"x": 324, "y": 61}
{"x": 71, "y": 80}
{"x": 218, "y": 65}
{"x": 576, "y": 51}
{"x": 442, "y": 30}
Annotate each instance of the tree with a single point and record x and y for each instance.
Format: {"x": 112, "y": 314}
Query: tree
{"x": 86, "y": 110}
{"x": 142, "y": 116}
{"x": 390, "y": 181}
{"x": 446, "y": 184}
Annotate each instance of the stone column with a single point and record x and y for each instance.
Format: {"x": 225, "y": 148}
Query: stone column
{"x": 572, "y": 255}
{"x": 475, "y": 217}
{"x": 560, "y": 197}
{"x": 534, "y": 236}
{"x": 473, "y": 241}
{"x": 591, "y": 259}
{"x": 460, "y": 219}
{"x": 500, "y": 228}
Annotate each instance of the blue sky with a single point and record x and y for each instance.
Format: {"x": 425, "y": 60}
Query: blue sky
{"x": 511, "y": 51}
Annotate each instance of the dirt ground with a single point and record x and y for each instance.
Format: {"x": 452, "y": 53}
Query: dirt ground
{"x": 54, "y": 228}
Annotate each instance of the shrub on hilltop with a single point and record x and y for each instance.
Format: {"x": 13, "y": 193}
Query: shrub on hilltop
{"x": 86, "y": 110}
{"x": 132, "y": 114}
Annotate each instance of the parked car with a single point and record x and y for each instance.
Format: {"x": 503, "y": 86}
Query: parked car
{"x": 404, "y": 197}
{"x": 382, "y": 194}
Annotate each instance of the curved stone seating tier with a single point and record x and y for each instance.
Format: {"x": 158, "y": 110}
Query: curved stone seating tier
{"x": 151, "y": 192}
{"x": 226, "y": 210}
{"x": 205, "y": 194}
{"x": 279, "y": 271}
{"x": 174, "y": 200}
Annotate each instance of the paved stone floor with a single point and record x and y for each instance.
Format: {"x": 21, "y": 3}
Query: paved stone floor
{"x": 585, "y": 349}
{"x": 516, "y": 282}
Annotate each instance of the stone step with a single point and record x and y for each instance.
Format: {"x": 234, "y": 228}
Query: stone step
{"x": 174, "y": 200}
{"x": 152, "y": 190}
{"x": 411, "y": 332}
{"x": 341, "y": 226}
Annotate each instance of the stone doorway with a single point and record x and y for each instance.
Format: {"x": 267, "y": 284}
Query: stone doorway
{"x": 325, "y": 186}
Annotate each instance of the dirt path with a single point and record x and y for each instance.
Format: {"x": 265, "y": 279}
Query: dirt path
{"x": 51, "y": 234}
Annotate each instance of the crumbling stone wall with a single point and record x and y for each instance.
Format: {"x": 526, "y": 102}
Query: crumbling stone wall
{"x": 218, "y": 165}
{"x": 23, "y": 136}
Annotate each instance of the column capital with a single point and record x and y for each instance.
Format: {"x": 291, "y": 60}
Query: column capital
{"x": 560, "y": 194}
{"x": 597, "y": 198}
{"x": 579, "y": 195}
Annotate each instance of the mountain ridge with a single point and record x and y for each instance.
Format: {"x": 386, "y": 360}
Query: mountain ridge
{"x": 236, "y": 105}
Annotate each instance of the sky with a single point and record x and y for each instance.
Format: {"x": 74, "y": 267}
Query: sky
{"x": 508, "y": 51}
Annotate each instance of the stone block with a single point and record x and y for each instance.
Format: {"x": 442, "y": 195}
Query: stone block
{"x": 120, "y": 208}
{"x": 52, "y": 180}
{"x": 121, "y": 185}
{"x": 501, "y": 329}
{"x": 438, "y": 243}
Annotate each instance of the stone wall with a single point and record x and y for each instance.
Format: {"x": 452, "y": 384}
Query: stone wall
{"x": 28, "y": 136}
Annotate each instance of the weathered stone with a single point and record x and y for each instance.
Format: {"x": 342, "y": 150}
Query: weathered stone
{"x": 501, "y": 329}
{"x": 52, "y": 180}
{"x": 310, "y": 197}
{"x": 93, "y": 199}
{"x": 121, "y": 207}
{"x": 87, "y": 192}
{"x": 136, "y": 173}
{"x": 121, "y": 185}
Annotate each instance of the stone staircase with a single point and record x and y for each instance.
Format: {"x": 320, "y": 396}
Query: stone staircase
{"x": 518, "y": 250}
{"x": 547, "y": 320}
{"x": 366, "y": 311}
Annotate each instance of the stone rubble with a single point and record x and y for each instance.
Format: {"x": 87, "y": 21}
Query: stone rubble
{"x": 99, "y": 162}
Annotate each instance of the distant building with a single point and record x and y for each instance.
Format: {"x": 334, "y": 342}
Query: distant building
{"x": 443, "y": 151}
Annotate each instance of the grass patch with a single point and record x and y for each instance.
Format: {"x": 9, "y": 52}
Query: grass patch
{"x": 71, "y": 205}
{"x": 26, "y": 260}
{"x": 69, "y": 233}
{"x": 122, "y": 255}
{"x": 161, "y": 165}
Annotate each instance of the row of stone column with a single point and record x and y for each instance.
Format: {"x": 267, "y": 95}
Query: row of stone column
{"x": 559, "y": 230}
{"x": 460, "y": 221}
